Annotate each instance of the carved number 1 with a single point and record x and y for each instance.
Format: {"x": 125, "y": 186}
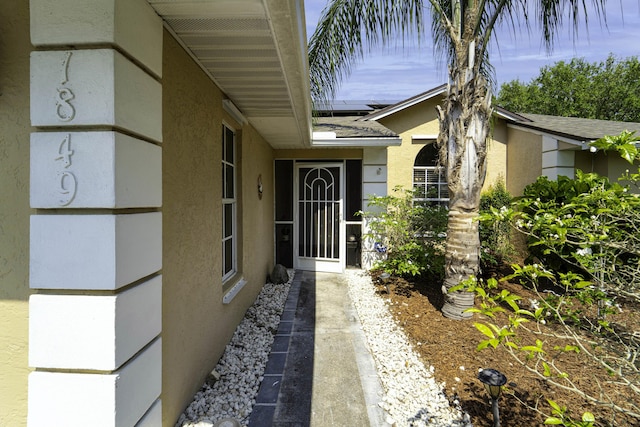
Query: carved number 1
{"x": 64, "y": 110}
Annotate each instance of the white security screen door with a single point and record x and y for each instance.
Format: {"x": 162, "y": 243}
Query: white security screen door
{"x": 320, "y": 229}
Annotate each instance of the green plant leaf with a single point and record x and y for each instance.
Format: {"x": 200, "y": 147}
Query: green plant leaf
{"x": 532, "y": 349}
{"x": 555, "y": 406}
{"x": 588, "y": 417}
{"x": 484, "y": 329}
{"x": 553, "y": 421}
{"x": 482, "y": 345}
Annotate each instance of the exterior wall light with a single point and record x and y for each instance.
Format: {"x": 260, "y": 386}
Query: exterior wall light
{"x": 493, "y": 381}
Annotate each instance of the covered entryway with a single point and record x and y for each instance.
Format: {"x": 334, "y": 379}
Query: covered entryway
{"x": 319, "y": 236}
{"x": 317, "y": 226}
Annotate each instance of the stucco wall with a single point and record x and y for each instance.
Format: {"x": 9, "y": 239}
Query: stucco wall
{"x": 597, "y": 162}
{"x": 258, "y": 214}
{"x": 196, "y": 324}
{"x": 497, "y": 154}
{"x": 15, "y": 47}
{"x": 524, "y": 160}
{"x": 422, "y": 119}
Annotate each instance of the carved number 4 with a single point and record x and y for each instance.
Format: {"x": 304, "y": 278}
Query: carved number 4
{"x": 65, "y": 151}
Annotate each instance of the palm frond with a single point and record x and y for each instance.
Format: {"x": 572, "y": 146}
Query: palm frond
{"x": 459, "y": 27}
{"x": 551, "y": 15}
{"x": 346, "y": 28}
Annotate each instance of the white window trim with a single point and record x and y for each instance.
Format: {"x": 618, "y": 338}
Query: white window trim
{"x": 234, "y": 211}
{"x": 425, "y": 184}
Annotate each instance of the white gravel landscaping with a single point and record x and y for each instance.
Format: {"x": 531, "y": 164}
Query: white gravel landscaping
{"x": 241, "y": 366}
{"x": 412, "y": 396}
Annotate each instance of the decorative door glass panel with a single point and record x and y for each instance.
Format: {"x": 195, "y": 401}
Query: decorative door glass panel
{"x": 319, "y": 212}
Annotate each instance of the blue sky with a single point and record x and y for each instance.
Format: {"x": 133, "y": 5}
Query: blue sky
{"x": 393, "y": 74}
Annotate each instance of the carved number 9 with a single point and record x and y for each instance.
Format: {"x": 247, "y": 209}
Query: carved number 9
{"x": 67, "y": 190}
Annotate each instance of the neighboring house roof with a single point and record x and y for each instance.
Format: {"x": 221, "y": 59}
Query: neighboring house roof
{"x": 349, "y": 131}
{"x": 425, "y": 96}
{"x": 576, "y": 128}
{"x": 391, "y": 109}
{"x": 350, "y": 127}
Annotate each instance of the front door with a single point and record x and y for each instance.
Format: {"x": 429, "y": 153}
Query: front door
{"x": 320, "y": 229}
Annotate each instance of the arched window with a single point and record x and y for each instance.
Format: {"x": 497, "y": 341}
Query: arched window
{"x": 430, "y": 180}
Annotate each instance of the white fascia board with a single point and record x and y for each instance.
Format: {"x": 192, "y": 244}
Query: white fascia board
{"x": 422, "y": 137}
{"x": 409, "y": 103}
{"x": 357, "y": 142}
{"x": 234, "y": 112}
{"x": 287, "y": 21}
{"x": 560, "y": 138}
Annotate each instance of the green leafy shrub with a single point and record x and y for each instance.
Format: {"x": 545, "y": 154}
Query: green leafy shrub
{"x": 586, "y": 225}
{"x": 584, "y": 235}
{"x": 495, "y": 236}
{"x": 410, "y": 236}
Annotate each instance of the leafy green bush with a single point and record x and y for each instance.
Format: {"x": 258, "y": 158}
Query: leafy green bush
{"x": 586, "y": 225}
{"x": 584, "y": 234}
{"x": 495, "y": 237}
{"x": 411, "y": 236}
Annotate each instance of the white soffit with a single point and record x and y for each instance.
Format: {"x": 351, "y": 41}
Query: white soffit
{"x": 256, "y": 52}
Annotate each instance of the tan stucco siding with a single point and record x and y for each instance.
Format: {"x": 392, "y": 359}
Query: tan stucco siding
{"x": 196, "y": 323}
{"x": 14, "y": 211}
{"x": 420, "y": 119}
{"x": 400, "y": 161}
{"x": 524, "y": 160}
{"x": 257, "y": 213}
{"x": 597, "y": 162}
{"x": 496, "y": 155}
{"x": 617, "y": 167}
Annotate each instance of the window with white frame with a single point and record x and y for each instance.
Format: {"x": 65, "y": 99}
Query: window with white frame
{"x": 430, "y": 179}
{"x": 229, "y": 204}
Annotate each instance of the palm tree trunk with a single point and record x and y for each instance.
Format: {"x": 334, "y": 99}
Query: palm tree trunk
{"x": 464, "y": 129}
{"x": 461, "y": 261}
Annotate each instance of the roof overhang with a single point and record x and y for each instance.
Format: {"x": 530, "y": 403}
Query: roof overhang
{"x": 256, "y": 53}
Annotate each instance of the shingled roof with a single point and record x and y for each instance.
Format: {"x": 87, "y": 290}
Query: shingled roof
{"x": 576, "y": 128}
{"x": 351, "y": 127}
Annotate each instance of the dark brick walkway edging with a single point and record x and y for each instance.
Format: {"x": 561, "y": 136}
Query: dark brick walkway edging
{"x": 284, "y": 396}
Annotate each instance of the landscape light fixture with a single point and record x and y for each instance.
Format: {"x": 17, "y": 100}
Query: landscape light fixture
{"x": 493, "y": 381}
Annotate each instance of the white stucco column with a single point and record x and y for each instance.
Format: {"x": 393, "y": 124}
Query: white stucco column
{"x": 555, "y": 161}
{"x": 95, "y": 317}
{"x": 374, "y": 182}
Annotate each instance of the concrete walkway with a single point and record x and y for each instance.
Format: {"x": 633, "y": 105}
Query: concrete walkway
{"x": 320, "y": 372}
